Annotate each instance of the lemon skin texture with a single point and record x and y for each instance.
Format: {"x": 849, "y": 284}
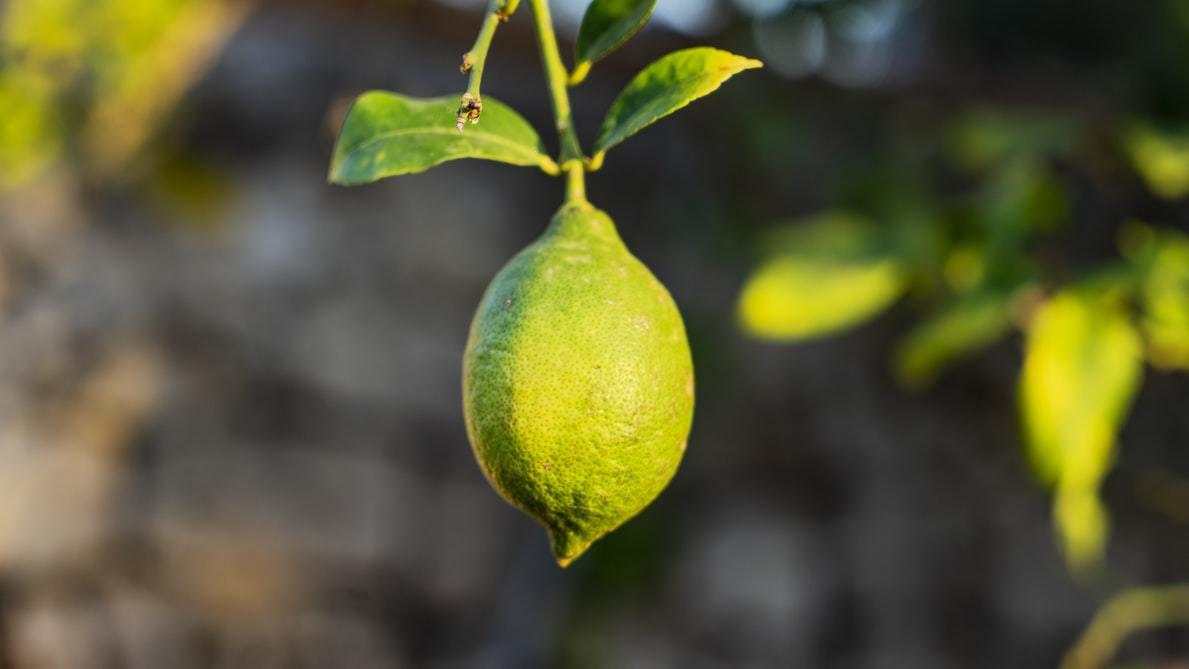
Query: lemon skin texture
{"x": 578, "y": 385}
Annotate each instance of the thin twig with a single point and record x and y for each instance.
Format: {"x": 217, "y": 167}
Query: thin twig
{"x": 471, "y": 106}
{"x": 1128, "y": 612}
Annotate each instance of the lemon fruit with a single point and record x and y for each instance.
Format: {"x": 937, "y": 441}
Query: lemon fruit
{"x": 578, "y": 386}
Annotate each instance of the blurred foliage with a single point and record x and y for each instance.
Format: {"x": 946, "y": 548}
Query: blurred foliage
{"x": 975, "y": 246}
{"x": 824, "y": 274}
{"x": 1161, "y": 157}
{"x": 979, "y": 139}
{"x": 1162, "y": 260}
{"x": 87, "y": 81}
{"x": 1082, "y": 366}
{"x": 967, "y": 325}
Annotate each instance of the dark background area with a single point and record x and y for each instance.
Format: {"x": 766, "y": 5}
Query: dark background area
{"x": 230, "y": 425}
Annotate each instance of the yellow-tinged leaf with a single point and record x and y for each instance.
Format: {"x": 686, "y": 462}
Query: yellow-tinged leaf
{"x": 1082, "y": 367}
{"x": 1083, "y": 525}
{"x": 827, "y": 274}
{"x": 1161, "y": 158}
{"x": 665, "y": 86}
{"x": 31, "y": 134}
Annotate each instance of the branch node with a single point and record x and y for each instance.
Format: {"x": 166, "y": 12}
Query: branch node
{"x": 470, "y": 107}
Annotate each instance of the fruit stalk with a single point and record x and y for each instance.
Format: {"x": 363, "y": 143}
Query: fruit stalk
{"x": 575, "y": 181}
{"x": 555, "y": 77}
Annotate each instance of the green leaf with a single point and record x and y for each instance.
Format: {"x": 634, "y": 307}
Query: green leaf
{"x": 386, "y": 134}
{"x": 607, "y": 25}
{"x": 1082, "y": 368}
{"x": 665, "y": 86}
{"x": 966, "y": 326}
{"x": 827, "y": 274}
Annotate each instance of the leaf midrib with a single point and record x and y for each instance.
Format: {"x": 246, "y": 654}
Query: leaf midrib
{"x": 486, "y": 136}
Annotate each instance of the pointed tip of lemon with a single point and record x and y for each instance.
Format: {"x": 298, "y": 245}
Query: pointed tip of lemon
{"x": 567, "y": 547}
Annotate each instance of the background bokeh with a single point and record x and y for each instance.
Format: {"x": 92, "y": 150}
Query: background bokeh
{"x": 230, "y": 425}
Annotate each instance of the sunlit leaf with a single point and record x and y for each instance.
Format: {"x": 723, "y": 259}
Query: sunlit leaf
{"x": 962, "y": 328}
{"x": 114, "y": 67}
{"x": 1162, "y": 158}
{"x": 825, "y": 275}
{"x": 1082, "y": 368}
{"x": 666, "y": 86}
{"x": 606, "y": 26}
{"x": 163, "y": 48}
{"x": 1082, "y": 365}
{"x": 51, "y": 31}
{"x": 386, "y": 134}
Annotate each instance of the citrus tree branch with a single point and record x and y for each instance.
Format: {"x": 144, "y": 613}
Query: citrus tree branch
{"x": 572, "y": 157}
{"x": 473, "y": 61}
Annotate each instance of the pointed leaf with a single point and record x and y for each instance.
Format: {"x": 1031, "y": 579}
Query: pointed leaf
{"x": 827, "y": 274}
{"x": 607, "y": 25}
{"x": 386, "y": 134}
{"x": 666, "y": 86}
{"x": 1082, "y": 366}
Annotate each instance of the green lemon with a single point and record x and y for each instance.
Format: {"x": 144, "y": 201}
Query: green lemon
{"x": 578, "y": 386}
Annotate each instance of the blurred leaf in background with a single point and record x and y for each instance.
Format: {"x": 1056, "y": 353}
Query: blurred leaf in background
{"x": 664, "y": 87}
{"x": 1021, "y": 197}
{"x": 1082, "y": 368}
{"x": 981, "y": 138}
{"x": 32, "y": 133}
{"x": 1162, "y": 260}
{"x": 964, "y": 327}
{"x": 1161, "y": 157}
{"x": 88, "y": 81}
{"x": 823, "y": 274}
